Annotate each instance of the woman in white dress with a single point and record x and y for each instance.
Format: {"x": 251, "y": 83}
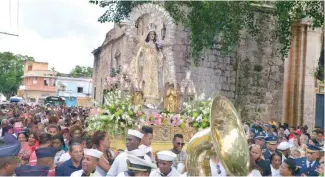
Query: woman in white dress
{"x": 276, "y": 160}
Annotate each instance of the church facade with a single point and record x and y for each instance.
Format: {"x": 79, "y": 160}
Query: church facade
{"x": 252, "y": 77}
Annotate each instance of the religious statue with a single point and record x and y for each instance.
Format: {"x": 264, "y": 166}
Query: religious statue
{"x": 146, "y": 66}
{"x": 171, "y": 101}
{"x": 187, "y": 87}
{"x": 125, "y": 82}
{"x": 137, "y": 98}
{"x": 137, "y": 95}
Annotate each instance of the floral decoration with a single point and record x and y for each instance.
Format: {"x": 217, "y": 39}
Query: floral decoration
{"x": 118, "y": 114}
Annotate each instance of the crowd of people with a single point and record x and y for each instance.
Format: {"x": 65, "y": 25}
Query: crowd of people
{"x": 55, "y": 141}
{"x": 279, "y": 150}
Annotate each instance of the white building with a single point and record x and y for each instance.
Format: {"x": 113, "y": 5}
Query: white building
{"x": 73, "y": 88}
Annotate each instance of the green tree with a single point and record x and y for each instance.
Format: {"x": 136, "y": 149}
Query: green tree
{"x": 210, "y": 19}
{"x": 11, "y": 71}
{"x": 81, "y": 71}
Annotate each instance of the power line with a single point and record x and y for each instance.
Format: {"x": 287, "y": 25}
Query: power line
{"x": 10, "y": 34}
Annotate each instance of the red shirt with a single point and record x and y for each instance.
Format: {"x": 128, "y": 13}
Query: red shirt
{"x": 33, "y": 159}
{"x": 291, "y": 136}
{"x": 51, "y": 172}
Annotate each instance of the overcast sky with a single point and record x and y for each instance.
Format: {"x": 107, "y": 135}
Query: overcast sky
{"x": 60, "y": 32}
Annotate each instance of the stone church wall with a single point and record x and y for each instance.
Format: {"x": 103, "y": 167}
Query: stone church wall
{"x": 251, "y": 77}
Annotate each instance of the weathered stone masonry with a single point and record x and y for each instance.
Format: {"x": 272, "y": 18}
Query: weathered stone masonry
{"x": 251, "y": 77}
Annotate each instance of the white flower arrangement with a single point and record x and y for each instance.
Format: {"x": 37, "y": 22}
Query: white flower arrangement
{"x": 117, "y": 115}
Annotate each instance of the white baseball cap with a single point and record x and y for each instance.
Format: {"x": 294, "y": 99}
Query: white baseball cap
{"x": 284, "y": 145}
{"x": 166, "y": 155}
{"x": 93, "y": 152}
{"x": 135, "y": 133}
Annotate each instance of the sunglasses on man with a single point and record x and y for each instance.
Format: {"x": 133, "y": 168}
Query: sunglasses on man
{"x": 180, "y": 144}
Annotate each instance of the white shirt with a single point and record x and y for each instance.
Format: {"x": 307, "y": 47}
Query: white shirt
{"x": 79, "y": 173}
{"x": 308, "y": 162}
{"x": 64, "y": 157}
{"x": 283, "y": 158}
{"x": 255, "y": 173}
{"x": 156, "y": 173}
{"x": 214, "y": 169}
{"x": 58, "y": 155}
{"x": 119, "y": 165}
{"x": 122, "y": 174}
{"x": 275, "y": 172}
{"x": 147, "y": 149}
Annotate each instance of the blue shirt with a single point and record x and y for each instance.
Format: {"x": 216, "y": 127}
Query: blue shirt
{"x": 66, "y": 168}
{"x": 303, "y": 165}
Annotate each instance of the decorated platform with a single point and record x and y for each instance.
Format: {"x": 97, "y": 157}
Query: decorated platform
{"x": 144, "y": 90}
{"x": 118, "y": 114}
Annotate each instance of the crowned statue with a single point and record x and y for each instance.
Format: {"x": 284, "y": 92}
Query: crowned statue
{"x": 147, "y": 65}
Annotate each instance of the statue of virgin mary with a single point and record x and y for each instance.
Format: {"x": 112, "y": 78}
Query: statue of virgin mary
{"x": 146, "y": 66}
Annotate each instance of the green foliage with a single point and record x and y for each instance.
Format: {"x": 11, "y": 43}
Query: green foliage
{"x": 81, "y": 71}
{"x": 117, "y": 114}
{"x": 290, "y": 12}
{"x": 209, "y": 20}
{"x": 11, "y": 71}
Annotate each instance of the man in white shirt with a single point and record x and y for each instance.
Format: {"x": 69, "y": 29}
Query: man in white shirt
{"x": 284, "y": 149}
{"x": 216, "y": 167}
{"x": 66, "y": 156}
{"x": 178, "y": 144}
{"x": 132, "y": 144}
{"x": 165, "y": 165}
{"x": 146, "y": 141}
{"x": 89, "y": 163}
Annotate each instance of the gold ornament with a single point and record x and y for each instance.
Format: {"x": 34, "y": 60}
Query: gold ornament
{"x": 171, "y": 102}
{"x": 225, "y": 137}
